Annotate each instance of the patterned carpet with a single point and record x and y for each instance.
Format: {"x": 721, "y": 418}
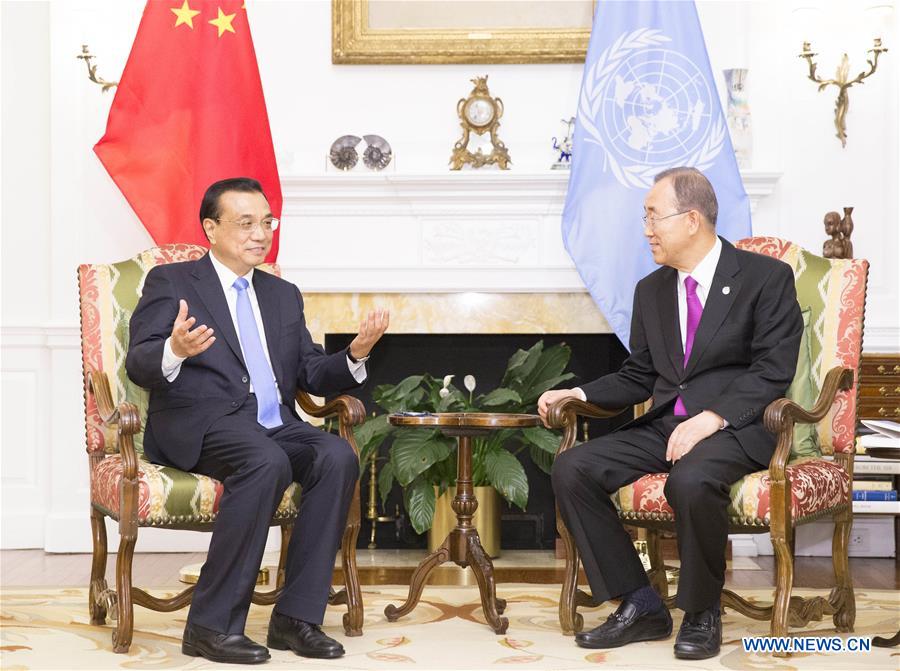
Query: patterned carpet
{"x": 49, "y": 629}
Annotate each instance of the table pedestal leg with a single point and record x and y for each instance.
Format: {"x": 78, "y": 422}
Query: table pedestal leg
{"x": 417, "y": 582}
{"x": 463, "y": 547}
{"x": 484, "y": 572}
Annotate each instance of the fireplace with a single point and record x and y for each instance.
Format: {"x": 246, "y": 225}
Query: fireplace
{"x": 470, "y": 332}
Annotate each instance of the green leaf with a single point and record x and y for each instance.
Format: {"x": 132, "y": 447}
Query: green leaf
{"x": 418, "y": 497}
{"x": 385, "y": 482}
{"x": 546, "y": 374}
{"x": 542, "y": 459}
{"x": 500, "y": 396}
{"x": 369, "y": 437}
{"x": 398, "y": 397}
{"x": 507, "y": 476}
{"x": 415, "y": 451}
{"x": 521, "y": 364}
{"x": 541, "y": 438}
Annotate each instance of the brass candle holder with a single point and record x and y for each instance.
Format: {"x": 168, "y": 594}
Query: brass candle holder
{"x": 841, "y": 80}
{"x": 372, "y": 507}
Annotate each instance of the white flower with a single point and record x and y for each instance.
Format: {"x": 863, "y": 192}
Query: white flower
{"x": 469, "y": 382}
{"x": 444, "y": 393}
{"x": 447, "y": 379}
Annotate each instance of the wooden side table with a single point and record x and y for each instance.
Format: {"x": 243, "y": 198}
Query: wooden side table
{"x": 462, "y": 545}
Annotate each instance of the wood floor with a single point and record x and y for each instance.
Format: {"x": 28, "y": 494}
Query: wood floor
{"x": 28, "y": 568}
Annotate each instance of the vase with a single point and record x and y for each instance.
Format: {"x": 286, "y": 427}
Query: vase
{"x": 739, "y": 121}
{"x": 486, "y": 519}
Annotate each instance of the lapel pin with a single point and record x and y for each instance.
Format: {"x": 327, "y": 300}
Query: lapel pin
{"x": 726, "y": 290}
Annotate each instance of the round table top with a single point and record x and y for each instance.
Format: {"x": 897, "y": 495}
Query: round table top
{"x": 466, "y": 420}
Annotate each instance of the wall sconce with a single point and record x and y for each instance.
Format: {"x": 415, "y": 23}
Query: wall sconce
{"x": 86, "y": 56}
{"x": 843, "y": 100}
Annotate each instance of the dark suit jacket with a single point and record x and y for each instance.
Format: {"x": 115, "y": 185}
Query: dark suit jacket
{"x": 216, "y": 382}
{"x": 744, "y": 354}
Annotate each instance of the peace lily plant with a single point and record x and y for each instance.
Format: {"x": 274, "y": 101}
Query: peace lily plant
{"x": 421, "y": 459}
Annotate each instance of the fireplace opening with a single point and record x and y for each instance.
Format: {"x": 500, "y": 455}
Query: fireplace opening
{"x": 484, "y": 356}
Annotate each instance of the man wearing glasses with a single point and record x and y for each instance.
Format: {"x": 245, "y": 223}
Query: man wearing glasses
{"x": 223, "y": 349}
{"x": 714, "y": 339}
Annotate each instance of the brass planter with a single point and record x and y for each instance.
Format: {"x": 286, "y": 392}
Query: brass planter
{"x": 486, "y": 519}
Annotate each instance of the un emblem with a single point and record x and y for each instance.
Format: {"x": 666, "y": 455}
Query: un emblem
{"x": 649, "y": 108}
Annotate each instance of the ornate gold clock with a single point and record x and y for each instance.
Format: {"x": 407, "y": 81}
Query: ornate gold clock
{"x": 479, "y": 114}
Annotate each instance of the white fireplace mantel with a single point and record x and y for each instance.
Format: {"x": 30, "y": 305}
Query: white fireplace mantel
{"x": 486, "y": 230}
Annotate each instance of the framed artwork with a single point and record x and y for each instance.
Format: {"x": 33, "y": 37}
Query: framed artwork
{"x": 460, "y": 31}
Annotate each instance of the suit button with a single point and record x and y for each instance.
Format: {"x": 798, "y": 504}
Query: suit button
{"x": 245, "y": 379}
{"x": 682, "y": 387}
{"x": 234, "y": 404}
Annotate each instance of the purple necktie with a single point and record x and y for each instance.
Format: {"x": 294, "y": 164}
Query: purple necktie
{"x": 694, "y": 312}
{"x": 267, "y": 411}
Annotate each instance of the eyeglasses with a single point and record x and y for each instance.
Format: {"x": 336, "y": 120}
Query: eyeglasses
{"x": 651, "y": 221}
{"x": 247, "y": 226}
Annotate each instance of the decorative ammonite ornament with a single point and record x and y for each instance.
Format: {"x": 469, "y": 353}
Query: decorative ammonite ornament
{"x": 343, "y": 152}
{"x": 378, "y": 154}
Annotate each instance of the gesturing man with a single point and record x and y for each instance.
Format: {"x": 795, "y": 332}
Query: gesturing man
{"x": 714, "y": 339}
{"x": 223, "y": 349}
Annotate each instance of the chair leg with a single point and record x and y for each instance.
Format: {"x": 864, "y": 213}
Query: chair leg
{"x": 286, "y": 530}
{"x": 842, "y": 597}
{"x": 569, "y": 620}
{"x": 657, "y": 574}
{"x": 125, "y": 624}
{"x": 784, "y": 568}
{"x": 98, "y": 588}
{"x": 353, "y": 618}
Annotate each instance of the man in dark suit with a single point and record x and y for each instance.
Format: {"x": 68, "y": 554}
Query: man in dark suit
{"x": 223, "y": 350}
{"x": 714, "y": 339}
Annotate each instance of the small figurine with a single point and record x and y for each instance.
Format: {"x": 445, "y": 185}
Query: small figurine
{"x": 564, "y": 148}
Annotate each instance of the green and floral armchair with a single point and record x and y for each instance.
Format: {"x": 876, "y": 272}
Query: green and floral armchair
{"x": 136, "y": 493}
{"x": 817, "y": 419}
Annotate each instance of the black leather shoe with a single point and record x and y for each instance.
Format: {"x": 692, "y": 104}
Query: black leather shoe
{"x": 700, "y": 635}
{"x": 627, "y": 626}
{"x": 305, "y": 639}
{"x": 225, "y": 648}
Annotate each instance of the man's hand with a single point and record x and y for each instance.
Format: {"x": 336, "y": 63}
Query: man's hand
{"x": 370, "y": 331}
{"x": 550, "y": 397}
{"x": 690, "y": 432}
{"x": 187, "y": 343}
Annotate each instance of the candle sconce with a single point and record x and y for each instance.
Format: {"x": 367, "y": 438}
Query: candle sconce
{"x": 842, "y": 82}
{"x": 87, "y": 57}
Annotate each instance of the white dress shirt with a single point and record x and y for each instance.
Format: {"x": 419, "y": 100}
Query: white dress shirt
{"x": 171, "y": 363}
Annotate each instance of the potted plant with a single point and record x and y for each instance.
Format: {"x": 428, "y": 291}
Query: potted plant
{"x": 424, "y": 462}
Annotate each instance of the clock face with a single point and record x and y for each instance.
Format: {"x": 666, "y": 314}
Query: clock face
{"x": 479, "y": 112}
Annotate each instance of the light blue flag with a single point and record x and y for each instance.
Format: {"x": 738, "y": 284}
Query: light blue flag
{"x": 648, "y": 102}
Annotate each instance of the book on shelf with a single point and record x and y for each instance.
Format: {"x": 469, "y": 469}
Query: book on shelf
{"x": 871, "y": 484}
{"x": 882, "y": 507}
{"x": 871, "y": 495}
{"x": 886, "y": 433}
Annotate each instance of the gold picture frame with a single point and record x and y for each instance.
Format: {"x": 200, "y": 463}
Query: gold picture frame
{"x": 355, "y": 41}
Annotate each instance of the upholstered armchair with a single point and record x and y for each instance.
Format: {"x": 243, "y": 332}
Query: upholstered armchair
{"x": 135, "y": 493}
{"x": 816, "y": 421}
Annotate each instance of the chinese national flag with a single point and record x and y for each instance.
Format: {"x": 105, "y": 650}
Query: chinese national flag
{"x": 189, "y": 110}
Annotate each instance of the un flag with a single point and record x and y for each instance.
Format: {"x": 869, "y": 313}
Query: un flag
{"x": 648, "y": 102}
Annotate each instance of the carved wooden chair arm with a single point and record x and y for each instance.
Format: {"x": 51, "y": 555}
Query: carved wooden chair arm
{"x": 562, "y": 414}
{"x": 349, "y": 410}
{"x": 782, "y": 414}
{"x": 125, "y": 417}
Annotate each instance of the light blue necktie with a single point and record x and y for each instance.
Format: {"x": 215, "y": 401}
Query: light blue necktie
{"x": 267, "y": 412}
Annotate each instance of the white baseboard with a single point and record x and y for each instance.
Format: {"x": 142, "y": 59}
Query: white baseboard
{"x": 742, "y": 545}
{"x": 22, "y": 531}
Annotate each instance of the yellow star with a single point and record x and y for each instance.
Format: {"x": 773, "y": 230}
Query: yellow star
{"x": 223, "y": 22}
{"x": 185, "y": 15}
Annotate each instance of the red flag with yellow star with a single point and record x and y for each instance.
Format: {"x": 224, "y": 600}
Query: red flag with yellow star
{"x": 189, "y": 110}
